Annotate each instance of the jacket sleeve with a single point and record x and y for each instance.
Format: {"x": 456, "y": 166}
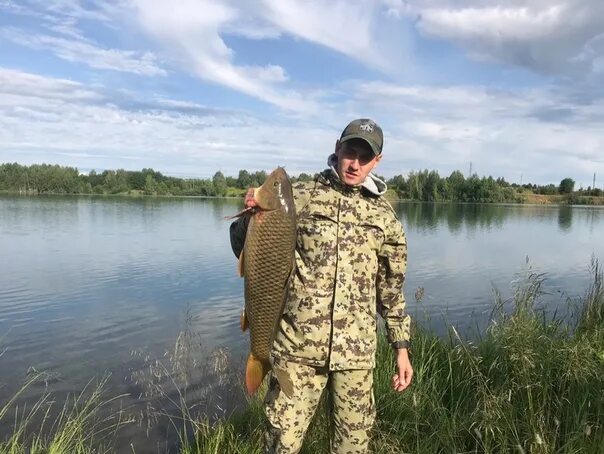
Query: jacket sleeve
{"x": 392, "y": 265}
{"x": 237, "y": 233}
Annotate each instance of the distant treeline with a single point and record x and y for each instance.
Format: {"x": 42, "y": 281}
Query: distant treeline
{"x": 426, "y": 185}
{"x": 55, "y": 179}
{"x": 429, "y": 186}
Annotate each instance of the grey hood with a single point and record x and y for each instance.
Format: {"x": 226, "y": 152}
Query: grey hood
{"x": 372, "y": 183}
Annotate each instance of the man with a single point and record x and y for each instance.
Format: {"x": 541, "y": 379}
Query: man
{"x": 351, "y": 257}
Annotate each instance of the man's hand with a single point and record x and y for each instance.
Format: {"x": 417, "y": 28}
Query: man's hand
{"x": 402, "y": 379}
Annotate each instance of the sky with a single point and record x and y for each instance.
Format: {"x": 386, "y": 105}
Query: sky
{"x": 513, "y": 88}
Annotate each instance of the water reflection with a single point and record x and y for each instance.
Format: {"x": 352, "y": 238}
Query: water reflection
{"x": 429, "y": 216}
{"x": 426, "y": 217}
{"x": 565, "y": 218}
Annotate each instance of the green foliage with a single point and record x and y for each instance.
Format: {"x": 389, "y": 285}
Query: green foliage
{"x": 115, "y": 181}
{"x": 425, "y": 185}
{"x": 429, "y": 186}
{"x": 81, "y": 426}
{"x": 302, "y": 177}
{"x": 219, "y": 182}
{"x": 41, "y": 178}
{"x": 244, "y": 180}
{"x": 549, "y": 189}
{"x": 567, "y": 185}
{"x": 528, "y": 384}
{"x": 250, "y": 180}
{"x": 150, "y": 185}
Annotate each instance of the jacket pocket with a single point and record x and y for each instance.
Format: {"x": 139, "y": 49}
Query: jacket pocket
{"x": 397, "y": 266}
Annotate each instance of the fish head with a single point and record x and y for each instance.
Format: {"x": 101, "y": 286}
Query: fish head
{"x": 276, "y": 192}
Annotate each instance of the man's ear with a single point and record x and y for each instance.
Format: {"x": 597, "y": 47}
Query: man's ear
{"x": 378, "y": 158}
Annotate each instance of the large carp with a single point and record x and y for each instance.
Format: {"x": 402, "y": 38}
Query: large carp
{"x": 266, "y": 264}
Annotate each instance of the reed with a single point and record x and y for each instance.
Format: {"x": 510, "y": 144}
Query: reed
{"x": 528, "y": 383}
{"x": 80, "y": 426}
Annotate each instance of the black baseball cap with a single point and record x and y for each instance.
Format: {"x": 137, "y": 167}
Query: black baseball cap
{"x": 367, "y": 130}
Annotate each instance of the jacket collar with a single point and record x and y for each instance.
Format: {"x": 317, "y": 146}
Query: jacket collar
{"x": 372, "y": 184}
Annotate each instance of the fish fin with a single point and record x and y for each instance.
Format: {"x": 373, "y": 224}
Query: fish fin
{"x": 240, "y": 265}
{"x": 254, "y": 373}
{"x": 243, "y": 321}
{"x": 246, "y": 211}
{"x": 285, "y": 381}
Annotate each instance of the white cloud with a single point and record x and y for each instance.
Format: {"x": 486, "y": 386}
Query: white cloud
{"x": 24, "y": 86}
{"x": 551, "y": 38}
{"x": 544, "y": 133}
{"x": 86, "y": 52}
{"x": 540, "y": 133}
{"x": 190, "y": 33}
{"x": 338, "y": 25}
{"x": 54, "y": 120}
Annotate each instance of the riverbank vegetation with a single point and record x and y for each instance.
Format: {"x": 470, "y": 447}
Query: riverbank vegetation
{"x": 79, "y": 426}
{"x": 528, "y": 384}
{"x": 427, "y": 186}
{"x": 531, "y": 382}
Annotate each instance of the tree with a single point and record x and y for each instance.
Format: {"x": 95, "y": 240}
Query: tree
{"x": 150, "y": 186}
{"x": 456, "y": 185}
{"x": 162, "y": 188}
{"x": 244, "y": 180}
{"x": 259, "y": 177}
{"x": 115, "y": 181}
{"x": 219, "y": 182}
{"x": 567, "y": 186}
{"x": 304, "y": 177}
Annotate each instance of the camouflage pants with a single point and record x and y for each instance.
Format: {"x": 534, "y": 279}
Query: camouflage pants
{"x": 353, "y": 408}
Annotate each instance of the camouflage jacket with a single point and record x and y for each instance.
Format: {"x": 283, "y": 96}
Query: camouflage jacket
{"x": 351, "y": 257}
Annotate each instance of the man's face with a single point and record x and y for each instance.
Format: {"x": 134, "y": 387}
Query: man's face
{"x": 355, "y": 161}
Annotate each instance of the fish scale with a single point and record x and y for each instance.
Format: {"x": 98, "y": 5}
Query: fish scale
{"x": 269, "y": 253}
{"x": 266, "y": 264}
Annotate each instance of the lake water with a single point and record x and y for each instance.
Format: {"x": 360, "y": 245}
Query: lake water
{"x": 91, "y": 286}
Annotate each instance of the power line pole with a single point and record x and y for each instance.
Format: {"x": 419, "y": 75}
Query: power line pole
{"x": 594, "y": 185}
{"x": 470, "y": 174}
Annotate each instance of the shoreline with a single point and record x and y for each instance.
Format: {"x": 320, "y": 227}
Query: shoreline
{"x": 529, "y": 199}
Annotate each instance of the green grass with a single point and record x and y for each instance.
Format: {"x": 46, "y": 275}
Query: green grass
{"x": 527, "y": 384}
{"x": 78, "y": 427}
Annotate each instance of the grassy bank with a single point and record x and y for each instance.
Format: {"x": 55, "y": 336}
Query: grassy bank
{"x": 80, "y": 424}
{"x": 527, "y": 384}
{"x": 561, "y": 199}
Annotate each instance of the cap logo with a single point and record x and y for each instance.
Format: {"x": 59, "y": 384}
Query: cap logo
{"x": 366, "y": 127}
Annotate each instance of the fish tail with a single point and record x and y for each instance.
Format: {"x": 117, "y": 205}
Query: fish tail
{"x": 254, "y": 373}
